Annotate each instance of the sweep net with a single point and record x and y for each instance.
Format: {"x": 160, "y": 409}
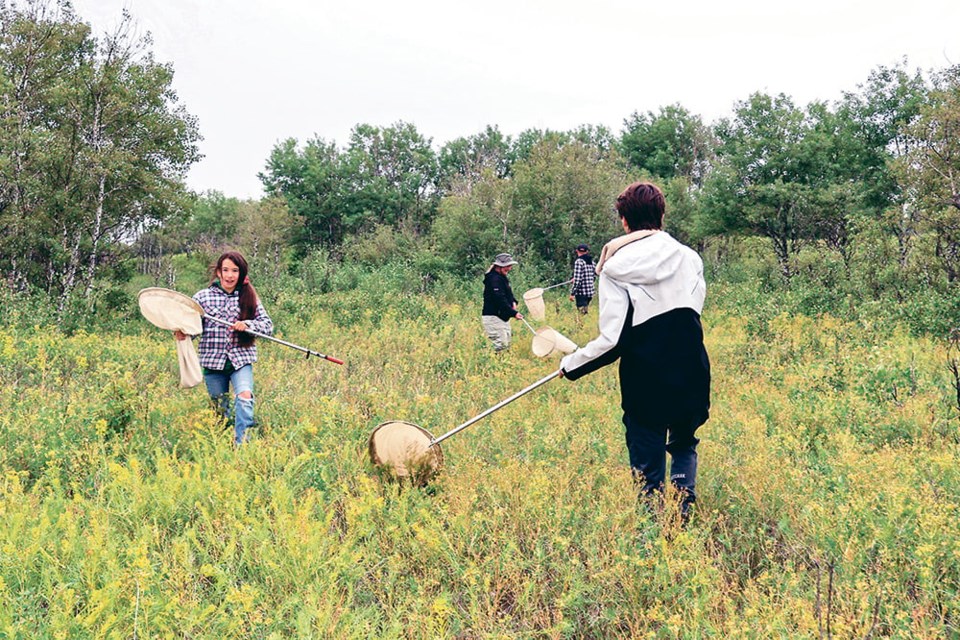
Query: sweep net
{"x": 171, "y": 310}
{"x": 547, "y": 341}
{"x": 190, "y": 372}
{"x": 403, "y": 449}
{"x": 562, "y": 343}
{"x": 534, "y": 301}
{"x": 174, "y": 311}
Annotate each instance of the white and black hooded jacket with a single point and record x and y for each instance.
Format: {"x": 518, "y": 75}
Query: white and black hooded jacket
{"x": 651, "y": 293}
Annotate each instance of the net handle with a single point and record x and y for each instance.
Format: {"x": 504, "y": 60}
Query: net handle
{"x": 532, "y": 330}
{"x": 559, "y": 284}
{"x": 309, "y": 352}
{"x": 496, "y": 407}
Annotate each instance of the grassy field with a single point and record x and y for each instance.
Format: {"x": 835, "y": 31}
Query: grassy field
{"x": 829, "y": 487}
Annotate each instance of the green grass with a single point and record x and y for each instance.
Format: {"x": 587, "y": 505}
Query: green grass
{"x": 829, "y": 485}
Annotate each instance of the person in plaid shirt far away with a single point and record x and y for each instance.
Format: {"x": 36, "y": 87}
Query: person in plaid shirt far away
{"x": 582, "y": 290}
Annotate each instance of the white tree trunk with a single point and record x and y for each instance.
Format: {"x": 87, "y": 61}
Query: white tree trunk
{"x": 96, "y": 234}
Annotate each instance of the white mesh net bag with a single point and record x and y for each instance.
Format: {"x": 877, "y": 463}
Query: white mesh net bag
{"x": 174, "y": 311}
{"x": 534, "y": 301}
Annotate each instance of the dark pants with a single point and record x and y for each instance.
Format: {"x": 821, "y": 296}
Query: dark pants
{"x": 648, "y": 445}
{"x": 582, "y": 302}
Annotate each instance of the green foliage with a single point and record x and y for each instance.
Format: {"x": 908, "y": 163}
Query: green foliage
{"x": 672, "y": 143}
{"x": 560, "y": 195}
{"x": 264, "y": 231}
{"x": 881, "y": 113}
{"x": 212, "y": 221}
{"x": 384, "y": 176}
{"x": 312, "y": 182}
{"x": 471, "y": 228}
{"x": 786, "y": 174}
{"x": 684, "y": 219}
{"x": 315, "y": 272}
{"x": 127, "y": 510}
{"x": 464, "y": 161}
{"x": 379, "y": 245}
{"x": 391, "y": 172}
{"x": 93, "y": 146}
{"x": 931, "y": 168}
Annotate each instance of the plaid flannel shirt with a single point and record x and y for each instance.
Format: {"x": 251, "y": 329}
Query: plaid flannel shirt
{"x": 583, "y": 276}
{"x": 219, "y": 343}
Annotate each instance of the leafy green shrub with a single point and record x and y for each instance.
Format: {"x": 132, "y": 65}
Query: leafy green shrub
{"x": 379, "y": 245}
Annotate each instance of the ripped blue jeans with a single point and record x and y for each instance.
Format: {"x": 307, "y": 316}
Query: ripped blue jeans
{"x": 218, "y": 386}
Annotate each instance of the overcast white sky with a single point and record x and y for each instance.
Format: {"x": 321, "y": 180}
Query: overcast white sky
{"x": 255, "y": 72}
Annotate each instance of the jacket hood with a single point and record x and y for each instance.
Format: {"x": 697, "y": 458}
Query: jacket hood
{"x": 647, "y": 261}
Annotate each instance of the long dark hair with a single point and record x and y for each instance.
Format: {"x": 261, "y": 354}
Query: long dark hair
{"x": 248, "y": 295}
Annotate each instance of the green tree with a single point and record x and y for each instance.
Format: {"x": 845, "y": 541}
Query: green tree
{"x": 212, "y": 221}
{"x": 97, "y": 145}
{"x": 264, "y": 229}
{"x": 384, "y": 176}
{"x": 312, "y": 182}
{"x": 563, "y": 195}
{"x": 783, "y": 174}
{"x": 597, "y": 137}
{"x": 683, "y": 220}
{"x": 670, "y": 143}
{"x": 931, "y": 167}
{"x": 473, "y": 226}
{"x": 831, "y": 163}
{"x": 880, "y": 114}
{"x": 40, "y": 50}
{"x": 391, "y": 175}
{"x": 463, "y": 161}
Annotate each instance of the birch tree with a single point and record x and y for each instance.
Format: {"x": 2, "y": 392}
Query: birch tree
{"x": 95, "y": 150}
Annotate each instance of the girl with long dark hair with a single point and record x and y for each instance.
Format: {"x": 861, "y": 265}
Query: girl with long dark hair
{"x": 226, "y": 353}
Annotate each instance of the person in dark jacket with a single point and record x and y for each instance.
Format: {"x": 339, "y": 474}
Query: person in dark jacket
{"x": 651, "y": 293}
{"x": 499, "y": 304}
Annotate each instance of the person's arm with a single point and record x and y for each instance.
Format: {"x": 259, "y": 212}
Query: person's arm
{"x": 604, "y": 349}
{"x": 199, "y": 299}
{"x": 261, "y": 322}
{"x": 516, "y": 314}
{"x": 506, "y": 303}
{"x": 579, "y": 273}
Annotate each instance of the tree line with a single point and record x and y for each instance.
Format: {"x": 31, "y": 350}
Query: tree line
{"x": 878, "y": 166}
{"x": 94, "y": 147}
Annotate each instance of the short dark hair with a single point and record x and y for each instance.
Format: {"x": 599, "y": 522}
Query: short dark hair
{"x": 642, "y": 205}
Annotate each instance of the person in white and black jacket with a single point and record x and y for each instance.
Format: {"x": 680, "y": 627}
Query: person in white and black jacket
{"x": 651, "y": 292}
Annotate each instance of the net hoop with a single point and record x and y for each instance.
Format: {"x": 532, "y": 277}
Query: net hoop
{"x": 543, "y": 342}
{"x": 402, "y": 450}
{"x": 535, "y": 306}
{"x": 171, "y": 310}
